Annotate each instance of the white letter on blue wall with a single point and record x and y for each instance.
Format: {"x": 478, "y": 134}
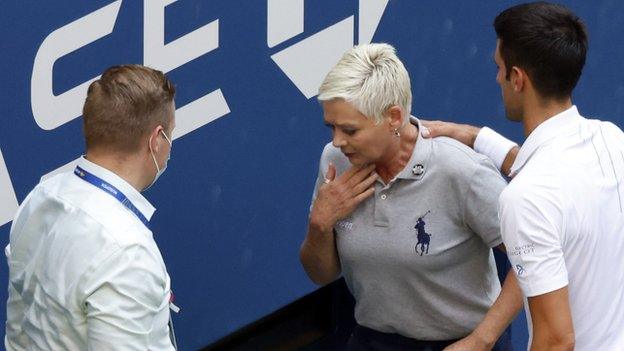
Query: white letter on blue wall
{"x": 167, "y": 57}
{"x": 49, "y": 110}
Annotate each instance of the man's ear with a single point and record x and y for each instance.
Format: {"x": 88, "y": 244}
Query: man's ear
{"x": 518, "y": 78}
{"x": 153, "y": 139}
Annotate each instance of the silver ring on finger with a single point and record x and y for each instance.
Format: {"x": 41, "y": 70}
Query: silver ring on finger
{"x": 326, "y": 181}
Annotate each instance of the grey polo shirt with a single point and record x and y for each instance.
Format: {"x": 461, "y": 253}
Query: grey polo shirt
{"x": 416, "y": 255}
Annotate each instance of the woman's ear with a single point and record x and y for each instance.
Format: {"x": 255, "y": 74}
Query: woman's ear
{"x": 395, "y": 117}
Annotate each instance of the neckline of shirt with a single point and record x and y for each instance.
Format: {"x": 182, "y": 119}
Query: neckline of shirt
{"x": 544, "y": 132}
{"x": 138, "y": 200}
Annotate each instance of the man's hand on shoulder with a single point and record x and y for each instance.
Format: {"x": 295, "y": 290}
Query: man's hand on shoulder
{"x": 464, "y": 133}
{"x": 499, "y": 149}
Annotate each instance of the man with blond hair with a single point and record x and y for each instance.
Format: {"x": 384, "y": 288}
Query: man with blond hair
{"x": 84, "y": 270}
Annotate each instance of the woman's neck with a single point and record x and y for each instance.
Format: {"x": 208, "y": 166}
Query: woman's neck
{"x": 399, "y": 154}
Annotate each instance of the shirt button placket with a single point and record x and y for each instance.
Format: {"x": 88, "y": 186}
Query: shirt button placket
{"x": 381, "y": 208}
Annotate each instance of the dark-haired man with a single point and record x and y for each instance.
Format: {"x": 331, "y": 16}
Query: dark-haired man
{"x": 84, "y": 270}
{"x": 562, "y": 215}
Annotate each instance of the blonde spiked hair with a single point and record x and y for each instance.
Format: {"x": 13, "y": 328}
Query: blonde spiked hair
{"x": 371, "y": 78}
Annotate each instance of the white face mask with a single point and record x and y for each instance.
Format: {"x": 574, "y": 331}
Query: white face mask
{"x": 159, "y": 171}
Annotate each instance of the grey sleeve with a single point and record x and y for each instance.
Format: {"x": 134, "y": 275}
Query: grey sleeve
{"x": 333, "y": 155}
{"x": 323, "y": 165}
{"x": 317, "y": 184}
{"x": 480, "y": 202}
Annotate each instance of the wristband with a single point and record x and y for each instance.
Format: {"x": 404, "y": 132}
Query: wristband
{"x": 493, "y": 145}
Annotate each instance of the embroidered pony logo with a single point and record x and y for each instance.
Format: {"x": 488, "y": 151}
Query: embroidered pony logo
{"x": 423, "y": 237}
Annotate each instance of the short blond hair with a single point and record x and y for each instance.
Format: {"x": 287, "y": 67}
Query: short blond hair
{"x": 371, "y": 78}
{"x": 127, "y": 102}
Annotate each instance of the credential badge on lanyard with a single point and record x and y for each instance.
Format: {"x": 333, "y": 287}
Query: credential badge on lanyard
{"x": 175, "y": 309}
{"x": 112, "y": 191}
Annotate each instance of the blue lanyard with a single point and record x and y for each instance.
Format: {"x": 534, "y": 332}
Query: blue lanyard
{"x": 111, "y": 190}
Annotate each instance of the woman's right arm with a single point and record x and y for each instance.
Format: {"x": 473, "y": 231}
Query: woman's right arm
{"x": 319, "y": 255}
{"x": 337, "y": 197}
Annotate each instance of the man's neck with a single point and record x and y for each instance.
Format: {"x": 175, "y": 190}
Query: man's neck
{"x": 538, "y": 112}
{"x": 124, "y": 166}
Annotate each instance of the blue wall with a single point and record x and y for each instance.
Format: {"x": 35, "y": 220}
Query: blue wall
{"x": 232, "y": 207}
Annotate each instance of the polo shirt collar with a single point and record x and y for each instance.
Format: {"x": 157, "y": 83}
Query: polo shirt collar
{"x": 416, "y": 167}
{"x": 113, "y": 179}
{"x": 544, "y": 132}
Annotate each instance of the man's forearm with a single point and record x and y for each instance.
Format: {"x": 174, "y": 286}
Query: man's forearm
{"x": 553, "y": 329}
{"x": 502, "y": 312}
{"x": 497, "y": 148}
{"x": 509, "y": 161}
{"x": 484, "y": 140}
{"x": 566, "y": 344}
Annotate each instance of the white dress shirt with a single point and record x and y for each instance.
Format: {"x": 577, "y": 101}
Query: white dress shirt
{"x": 84, "y": 271}
{"x": 563, "y": 225}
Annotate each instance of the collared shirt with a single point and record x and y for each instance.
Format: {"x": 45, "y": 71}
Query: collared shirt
{"x": 84, "y": 271}
{"x": 563, "y": 225}
{"x": 416, "y": 255}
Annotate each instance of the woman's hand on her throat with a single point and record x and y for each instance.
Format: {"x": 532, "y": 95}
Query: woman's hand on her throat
{"x": 339, "y": 196}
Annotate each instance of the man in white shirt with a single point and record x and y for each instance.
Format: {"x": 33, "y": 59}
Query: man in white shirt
{"x": 84, "y": 270}
{"x": 562, "y": 215}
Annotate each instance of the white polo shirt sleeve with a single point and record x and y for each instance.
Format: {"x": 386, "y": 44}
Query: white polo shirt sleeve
{"x": 125, "y": 300}
{"x": 531, "y": 217}
{"x": 480, "y": 207}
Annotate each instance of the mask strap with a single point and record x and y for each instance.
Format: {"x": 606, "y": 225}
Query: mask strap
{"x": 152, "y": 153}
{"x": 166, "y": 137}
